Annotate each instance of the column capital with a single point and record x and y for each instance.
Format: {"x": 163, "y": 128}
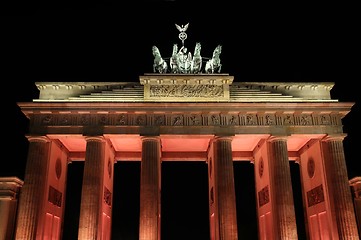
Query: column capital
{"x": 277, "y": 138}
{"x": 10, "y": 187}
{"x": 336, "y": 137}
{"x": 42, "y": 138}
{"x": 355, "y": 181}
{"x": 154, "y": 138}
{"x": 355, "y": 184}
{"x": 94, "y": 138}
{"x": 223, "y": 137}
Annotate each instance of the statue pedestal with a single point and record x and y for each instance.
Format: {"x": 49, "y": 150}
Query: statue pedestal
{"x": 186, "y": 87}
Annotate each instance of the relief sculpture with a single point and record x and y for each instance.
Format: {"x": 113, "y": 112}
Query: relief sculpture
{"x": 208, "y": 91}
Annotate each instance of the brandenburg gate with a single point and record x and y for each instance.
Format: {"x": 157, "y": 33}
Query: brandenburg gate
{"x": 186, "y": 112}
{"x": 188, "y": 117}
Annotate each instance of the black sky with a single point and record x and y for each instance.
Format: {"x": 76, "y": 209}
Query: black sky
{"x": 111, "y": 41}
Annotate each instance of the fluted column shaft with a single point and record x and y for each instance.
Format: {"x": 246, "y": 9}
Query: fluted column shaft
{"x": 225, "y": 189}
{"x": 91, "y": 196}
{"x": 355, "y": 184}
{"x": 32, "y": 193}
{"x": 337, "y": 182}
{"x": 149, "y": 224}
{"x": 281, "y": 188}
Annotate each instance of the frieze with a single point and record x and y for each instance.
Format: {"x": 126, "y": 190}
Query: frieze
{"x": 194, "y": 119}
{"x": 47, "y": 120}
{"x": 251, "y": 119}
{"x": 177, "y": 120}
{"x": 65, "y": 119}
{"x": 84, "y": 120}
{"x": 232, "y": 120}
{"x": 288, "y": 120}
{"x": 325, "y": 120}
{"x": 214, "y": 120}
{"x": 186, "y": 91}
{"x": 121, "y": 119}
{"x": 269, "y": 119}
{"x": 103, "y": 119}
{"x": 158, "y": 120}
{"x": 304, "y": 120}
{"x": 140, "y": 120}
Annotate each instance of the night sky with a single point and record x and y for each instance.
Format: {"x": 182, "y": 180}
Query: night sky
{"x": 89, "y": 41}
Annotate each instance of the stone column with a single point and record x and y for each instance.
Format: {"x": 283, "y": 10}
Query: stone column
{"x": 149, "y": 224}
{"x": 9, "y": 190}
{"x": 91, "y": 196}
{"x": 225, "y": 196}
{"x": 338, "y": 188}
{"x": 281, "y": 190}
{"x": 355, "y": 184}
{"x": 33, "y": 192}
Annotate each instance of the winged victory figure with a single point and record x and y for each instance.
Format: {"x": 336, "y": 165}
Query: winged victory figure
{"x": 182, "y": 29}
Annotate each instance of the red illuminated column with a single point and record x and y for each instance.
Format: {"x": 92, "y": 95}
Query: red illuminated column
{"x": 338, "y": 188}
{"x": 355, "y": 184}
{"x": 281, "y": 190}
{"x": 224, "y": 192}
{"x": 149, "y": 224}
{"x": 92, "y": 195}
{"x": 33, "y": 191}
{"x": 9, "y": 189}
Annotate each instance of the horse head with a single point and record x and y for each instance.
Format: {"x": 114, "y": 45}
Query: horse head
{"x": 197, "y": 49}
{"x": 159, "y": 64}
{"x": 196, "y": 64}
{"x": 174, "y": 60}
{"x": 217, "y": 51}
{"x": 214, "y": 64}
{"x": 155, "y": 51}
{"x": 175, "y": 49}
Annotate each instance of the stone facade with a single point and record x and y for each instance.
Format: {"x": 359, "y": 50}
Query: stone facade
{"x": 221, "y": 121}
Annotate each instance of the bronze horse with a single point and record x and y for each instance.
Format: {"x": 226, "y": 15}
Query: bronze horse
{"x": 159, "y": 65}
{"x": 214, "y": 64}
{"x": 196, "y": 65}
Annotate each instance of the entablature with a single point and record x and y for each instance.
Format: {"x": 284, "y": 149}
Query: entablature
{"x": 175, "y": 118}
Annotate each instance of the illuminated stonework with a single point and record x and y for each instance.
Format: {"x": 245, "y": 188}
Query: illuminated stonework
{"x": 315, "y": 196}
{"x": 182, "y": 88}
{"x": 261, "y": 168}
{"x": 55, "y": 196}
{"x": 221, "y": 121}
{"x": 263, "y": 196}
{"x": 311, "y": 167}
